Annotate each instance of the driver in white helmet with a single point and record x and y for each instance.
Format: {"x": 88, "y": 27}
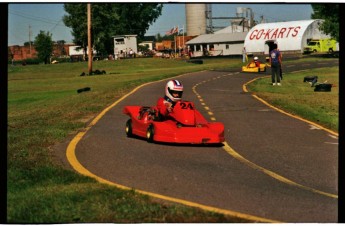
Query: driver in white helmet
{"x": 173, "y": 93}
{"x": 256, "y": 61}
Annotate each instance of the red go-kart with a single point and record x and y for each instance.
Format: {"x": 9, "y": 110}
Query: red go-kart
{"x": 184, "y": 124}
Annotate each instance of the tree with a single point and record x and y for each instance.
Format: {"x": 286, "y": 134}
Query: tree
{"x": 330, "y": 13}
{"x": 28, "y": 43}
{"x": 61, "y": 46}
{"x": 109, "y": 20}
{"x": 159, "y": 37}
{"x": 44, "y": 46}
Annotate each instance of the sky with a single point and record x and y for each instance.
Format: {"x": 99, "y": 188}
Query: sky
{"x": 24, "y": 18}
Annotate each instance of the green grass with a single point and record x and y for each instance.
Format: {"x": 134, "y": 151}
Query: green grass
{"x": 299, "y": 98}
{"x": 78, "y": 199}
{"x": 44, "y": 109}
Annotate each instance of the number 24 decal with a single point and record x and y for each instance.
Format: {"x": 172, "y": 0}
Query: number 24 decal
{"x": 186, "y": 106}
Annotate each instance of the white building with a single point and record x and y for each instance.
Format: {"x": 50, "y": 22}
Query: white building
{"x": 217, "y": 44}
{"x": 78, "y": 51}
{"x": 123, "y": 44}
{"x": 149, "y": 44}
{"x": 290, "y": 36}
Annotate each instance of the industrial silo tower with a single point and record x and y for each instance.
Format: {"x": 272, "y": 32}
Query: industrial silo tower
{"x": 196, "y": 19}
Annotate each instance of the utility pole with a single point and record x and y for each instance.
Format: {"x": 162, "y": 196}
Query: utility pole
{"x": 30, "y": 39}
{"x": 89, "y": 36}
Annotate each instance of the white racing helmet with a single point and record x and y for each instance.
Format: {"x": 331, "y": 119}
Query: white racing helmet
{"x": 174, "y": 90}
{"x": 256, "y": 58}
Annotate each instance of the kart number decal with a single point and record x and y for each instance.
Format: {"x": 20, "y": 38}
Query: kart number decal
{"x": 186, "y": 106}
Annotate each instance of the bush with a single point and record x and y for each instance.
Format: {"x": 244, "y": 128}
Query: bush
{"x": 29, "y": 61}
{"x": 61, "y": 59}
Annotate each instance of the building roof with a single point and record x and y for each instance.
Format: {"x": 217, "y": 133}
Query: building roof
{"x": 218, "y": 38}
{"x": 121, "y": 36}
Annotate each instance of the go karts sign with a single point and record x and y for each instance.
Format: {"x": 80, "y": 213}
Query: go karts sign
{"x": 275, "y": 33}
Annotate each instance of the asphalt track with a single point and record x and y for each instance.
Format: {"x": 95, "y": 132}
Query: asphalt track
{"x": 272, "y": 167}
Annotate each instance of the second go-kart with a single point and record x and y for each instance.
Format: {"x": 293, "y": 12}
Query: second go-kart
{"x": 252, "y": 67}
{"x": 184, "y": 124}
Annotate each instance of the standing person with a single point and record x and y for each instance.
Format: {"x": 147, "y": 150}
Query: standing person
{"x": 276, "y": 62}
{"x": 281, "y": 72}
{"x": 244, "y": 54}
{"x": 190, "y": 53}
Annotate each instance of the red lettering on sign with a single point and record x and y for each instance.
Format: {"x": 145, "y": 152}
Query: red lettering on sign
{"x": 275, "y": 33}
{"x": 296, "y": 31}
{"x": 290, "y": 28}
{"x": 252, "y": 35}
{"x": 267, "y": 35}
{"x": 281, "y": 33}
{"x": 258, "y": 36}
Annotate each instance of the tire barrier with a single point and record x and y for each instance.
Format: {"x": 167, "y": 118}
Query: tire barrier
{"x": 323, "y": 87}
{"x": 83, "y": 89}
{"x": 320, "y": 87}
{"x": 195, "y": 61}
{"x": 95, "y": 72}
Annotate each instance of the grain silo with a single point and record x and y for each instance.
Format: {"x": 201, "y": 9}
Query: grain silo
{"x": 196, "y": 19}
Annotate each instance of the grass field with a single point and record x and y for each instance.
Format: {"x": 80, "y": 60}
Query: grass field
{"x": 44, "y": 108}
{"x": 298, "y": 97}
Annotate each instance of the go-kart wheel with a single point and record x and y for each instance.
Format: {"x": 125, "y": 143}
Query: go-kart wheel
{"x": 129, "y": 131}
{"x": 150, "y": 133}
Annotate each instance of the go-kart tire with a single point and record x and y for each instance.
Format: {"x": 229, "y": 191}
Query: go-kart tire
{"x": 150, "y": 133}
{"x": 129, "y": 130}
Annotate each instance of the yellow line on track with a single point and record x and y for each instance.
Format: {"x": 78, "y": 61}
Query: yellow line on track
{"x": 82, "y": 170}
{"x": 272, "y": 174}
{"x": 73, "y": 160}
{"x": 284, "y": 112}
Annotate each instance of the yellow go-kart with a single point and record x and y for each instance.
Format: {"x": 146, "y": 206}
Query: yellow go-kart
{"x": 251, "y": 67}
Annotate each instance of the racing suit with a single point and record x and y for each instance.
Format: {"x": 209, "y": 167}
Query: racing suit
{"x": 164, "y": 106}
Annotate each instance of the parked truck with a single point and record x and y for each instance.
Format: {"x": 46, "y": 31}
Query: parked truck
{"x": 321, "y": 45}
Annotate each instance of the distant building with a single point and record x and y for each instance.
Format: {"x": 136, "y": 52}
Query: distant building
{"x": 26, "y": 52}
{"x": 165, "y": 44}
{"x": 149, "y": 41}
{"x": 123, "y": 44}
{"x": 290, "y": 36}
{"x": 149, "y": 44}
{"x": 179, "y": 42}
{"x": 17, "y": 52}
{"x": 217, "y": 44}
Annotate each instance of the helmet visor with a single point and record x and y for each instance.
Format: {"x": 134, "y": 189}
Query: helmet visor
{"x": 175, "y": 93}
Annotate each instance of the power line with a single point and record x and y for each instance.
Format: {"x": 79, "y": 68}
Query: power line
{"x": 55, "y": 26}
{"x": 11, "y": 33}
{"x": 55, "y": 23}
{"x": 41, "y": 19}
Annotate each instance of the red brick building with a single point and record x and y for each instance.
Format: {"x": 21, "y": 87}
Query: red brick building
{"x": 168, "y": 44}
{"x": 21, "y": 52}
{"x": 26, "y": 52}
